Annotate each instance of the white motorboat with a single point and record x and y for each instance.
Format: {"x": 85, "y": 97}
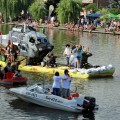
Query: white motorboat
{"x": 42, "y": 96}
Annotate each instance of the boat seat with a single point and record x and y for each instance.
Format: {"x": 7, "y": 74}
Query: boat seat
{"x": 9, "y": 75}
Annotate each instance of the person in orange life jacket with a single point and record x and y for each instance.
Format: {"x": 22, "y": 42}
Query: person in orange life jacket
{"x": 66, "y": 82}
{"x": 67, "y": 53}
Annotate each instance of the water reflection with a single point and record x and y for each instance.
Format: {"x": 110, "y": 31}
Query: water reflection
{"x": 37, "y": 112}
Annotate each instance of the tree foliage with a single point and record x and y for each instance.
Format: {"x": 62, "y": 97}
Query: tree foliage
{"x": 38, "y": 9}
{"x": 105, "y": 14}
{"x": 114, "y": 4}
{"x": 115, "y": 11}
{"x": 12, "y": 8}
{"x": 68, "y": 10}
{"x": 92, "y": 7}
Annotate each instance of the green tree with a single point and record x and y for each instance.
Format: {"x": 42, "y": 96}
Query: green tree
{"x": 115, "y": 11}
{"x": 92, "y": 7}
{"x": 68, "y": 10}
{"x": 12, "y": 8}
{"x": 114, "y": 6}
{"x": 38, "y": 9}
{"x": 105, "y": 14}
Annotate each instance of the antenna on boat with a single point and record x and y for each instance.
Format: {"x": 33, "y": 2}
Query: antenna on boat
{"x": 43, "y": 81}
{"x": 76, "y": 89}
{"x": 24, "y": 27}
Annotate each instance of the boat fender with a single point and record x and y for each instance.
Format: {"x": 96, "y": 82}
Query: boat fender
{"x": 103, "y": 68}
{"x": 109, "y": 67}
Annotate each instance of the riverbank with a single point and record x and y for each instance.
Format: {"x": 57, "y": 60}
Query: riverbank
{"x": 98, "y": 30}
{"x": 61, "y": 27}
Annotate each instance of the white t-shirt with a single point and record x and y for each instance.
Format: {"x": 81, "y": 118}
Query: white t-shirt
{"x": 66, "y": 83}
{"x": 57, "y": 80}
{"x": 67, "y": 52}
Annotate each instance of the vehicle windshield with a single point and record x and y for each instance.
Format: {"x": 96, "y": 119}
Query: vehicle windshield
{"x": 42, "y": 40}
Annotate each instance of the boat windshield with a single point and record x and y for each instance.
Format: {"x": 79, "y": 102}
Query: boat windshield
{"x": 38, "y": 88}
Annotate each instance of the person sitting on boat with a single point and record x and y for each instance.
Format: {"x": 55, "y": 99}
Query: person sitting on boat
{"x": 50, "y": 60}
{"x": 17, "y": 73}
{"x": 84, "y": 61}
{"x": 66, "y": 82}
{"x": 56, "y": 84}
{"x": 8, "y": 67}
{"x": 15, "y": 66}
{"x": 67, "y": 53}
{"x": 1, "y": 73}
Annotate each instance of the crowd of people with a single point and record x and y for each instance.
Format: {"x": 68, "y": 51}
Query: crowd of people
{"x": 77, "y": 56}
{"x": 10, "y": 68}
{"x": 10, "y": 52}
{"x": 113, "y": 26}
{"x": 86, "y": 24}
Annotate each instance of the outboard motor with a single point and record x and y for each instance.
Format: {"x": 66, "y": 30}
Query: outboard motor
{"x": 89, "y": 103}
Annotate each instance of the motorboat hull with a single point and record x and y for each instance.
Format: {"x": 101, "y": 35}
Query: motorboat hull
{"x": 47, "y": 103}
{"x": 46, "y": 99}
{"x": 52, "y": 105}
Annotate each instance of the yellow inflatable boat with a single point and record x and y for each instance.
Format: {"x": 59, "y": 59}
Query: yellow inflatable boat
{"x": 103, "y": 71}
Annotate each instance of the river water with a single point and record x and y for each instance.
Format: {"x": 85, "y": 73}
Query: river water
{"x": 105, "y": 49}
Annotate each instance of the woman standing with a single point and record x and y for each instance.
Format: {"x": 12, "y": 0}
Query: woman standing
{"x": 56, "y": 84}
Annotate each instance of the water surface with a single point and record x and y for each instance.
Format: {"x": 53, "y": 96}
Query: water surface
{"x": 105, "y": 49}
